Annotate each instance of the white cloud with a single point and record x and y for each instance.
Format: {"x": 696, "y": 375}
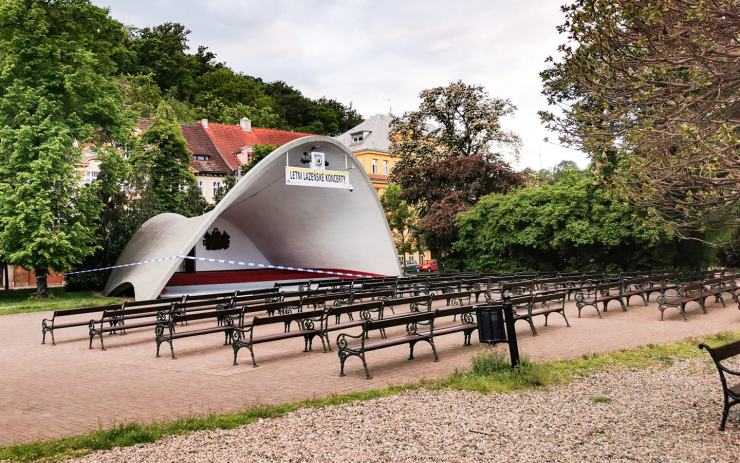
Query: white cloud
{"x": 377, "y": 54}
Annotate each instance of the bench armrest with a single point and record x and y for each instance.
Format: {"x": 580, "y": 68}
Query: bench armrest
{"x": 584, "y": 295}
{"x": 239, "y": 333}
{"x": 343, "y": 344}
{"x": 728, "y": 370}
{"x": 310, "y": 323}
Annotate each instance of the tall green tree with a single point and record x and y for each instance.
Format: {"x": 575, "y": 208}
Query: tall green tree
{"x": 649, "y": 89}
{"x": 162, "y": 167}
{"x": 451, "y": 156}
{"x": 57, "y": 95}
{"x": 401, "y": 218}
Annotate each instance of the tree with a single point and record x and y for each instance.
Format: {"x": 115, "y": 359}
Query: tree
{"x": 650, "y": 90}
{"x": 572, "y": 224}
{"x": 162, "y": 167}
{"x": 162, "y": 52}
{"x": 141, "y": 94}
{"x": 57, "y": 95}
{"x": 450, "y": 156}
{"x": 259, "y": 152}
{"x": 117, "y": 222}
{"x": 401, "y": 218}
{"x": 226, "y": 185}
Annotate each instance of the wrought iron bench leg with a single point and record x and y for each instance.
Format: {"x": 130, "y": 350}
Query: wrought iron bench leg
{"x": 364, "y": 364}
{"x": 251, "y": 352}
{"x": 562, "y": 312}
{"x": 236, "y": 345}
{"x": 342, "y": 358}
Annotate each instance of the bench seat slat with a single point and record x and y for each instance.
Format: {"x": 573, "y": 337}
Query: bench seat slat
{"x": 395, "y": 341}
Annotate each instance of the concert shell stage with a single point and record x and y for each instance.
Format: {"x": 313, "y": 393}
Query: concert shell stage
{"x": 264, "y": 220}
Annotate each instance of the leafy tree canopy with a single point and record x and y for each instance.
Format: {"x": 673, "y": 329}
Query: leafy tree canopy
{"x": 162, "y": 164}
{"x": 570, "y": 224}
{"x": 209, "y": 89}
{"x": 651, "y": 91}
{"x": 56, "y": 96}
{"x": 450, "y": 156}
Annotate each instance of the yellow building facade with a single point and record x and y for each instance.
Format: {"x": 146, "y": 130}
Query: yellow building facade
{"x": 370, "y": 144}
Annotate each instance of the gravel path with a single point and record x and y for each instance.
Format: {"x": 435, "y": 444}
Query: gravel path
{"x": 656, "y": 415}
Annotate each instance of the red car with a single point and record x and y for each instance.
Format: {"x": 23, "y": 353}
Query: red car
{"x": 429, "y": 266}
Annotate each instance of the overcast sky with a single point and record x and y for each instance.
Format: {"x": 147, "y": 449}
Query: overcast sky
{"x": 379, "y": 54}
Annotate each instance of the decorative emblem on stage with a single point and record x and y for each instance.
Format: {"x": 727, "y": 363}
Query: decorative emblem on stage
{"x": 216, "y": 239}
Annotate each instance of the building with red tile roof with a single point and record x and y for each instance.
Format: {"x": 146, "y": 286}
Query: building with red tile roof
{"x": 218, "y": 150}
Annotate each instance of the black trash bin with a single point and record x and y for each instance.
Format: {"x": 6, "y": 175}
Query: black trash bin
{"x": 496, "y": 325}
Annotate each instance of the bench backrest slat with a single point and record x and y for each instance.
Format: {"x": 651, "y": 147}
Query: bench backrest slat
{"x": 358, "y": 307}
{"x": 86, "y": 310}
{"x": 177, "y": 318}
{"x": 724, "y": 352}
{"x": 154, "y": 302}
{"x": 398, "y": 320}
{"x": 538, "y": 298}
{"x": 425, "y": 299}
{"x": 288, "y": 317}
{"x": 453, "y": 310}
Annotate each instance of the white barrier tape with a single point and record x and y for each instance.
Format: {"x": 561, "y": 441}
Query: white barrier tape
{"x": 151, "y": 261}
{"x": 224, "y": 261}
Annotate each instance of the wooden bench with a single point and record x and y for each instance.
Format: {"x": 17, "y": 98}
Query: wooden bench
{"x": 660, "y": 283}
{"x": 539, "y": 305}
{"x": 716, "y": 287}
{"x": 122, "y": 319}
{"x": 422, "y": 302}
{"x": 347, "y": 347}
{"x": 365, "y": 310}
{"x": 467, "y": 324}
{"x": 310, "y": 325}
{"x": 165, "y": 330}
{"x": 632, "y": 287}
{"x": 731, "y": 391}
{"x": 592, "y": 296}
{"x": 457, "y": 297}
{"x": 48, "y": 325}
{"x": 687, "y": 292}
{"x": 319, "y": 301}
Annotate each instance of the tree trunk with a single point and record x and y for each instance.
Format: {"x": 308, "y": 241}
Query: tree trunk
{"x": 42, "y": 290}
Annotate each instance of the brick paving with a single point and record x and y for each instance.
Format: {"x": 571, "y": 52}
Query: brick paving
{"x": 54, "y": 391}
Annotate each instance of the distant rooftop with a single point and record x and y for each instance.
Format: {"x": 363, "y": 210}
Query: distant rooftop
{"x": 372, "y": 134}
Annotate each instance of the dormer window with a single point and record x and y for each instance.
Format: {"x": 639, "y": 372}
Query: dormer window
{"x": 357, "y": 137}
{"x": 201, "y": 157}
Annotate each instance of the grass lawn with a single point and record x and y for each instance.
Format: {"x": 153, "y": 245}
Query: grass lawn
{"x": 23, "y": 300}
{"x": 488, "y": 373}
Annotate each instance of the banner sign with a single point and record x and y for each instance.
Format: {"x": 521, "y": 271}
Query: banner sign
{"x": 319, "y": 178}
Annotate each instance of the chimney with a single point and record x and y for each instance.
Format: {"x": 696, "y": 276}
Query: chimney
{"x": 204, "y": 123}
{"x": 245, "y": 124}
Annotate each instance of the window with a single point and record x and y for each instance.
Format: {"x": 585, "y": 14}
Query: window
{"x": 90, "y": 177}
{"x": 375, "y": 166}
{"x": 385, "y": 167}
{"x": 216, "y": 187}
{"x": 200, "y": 185}
{"x": 357, "y": 137}
{"x": 201, "y": 157}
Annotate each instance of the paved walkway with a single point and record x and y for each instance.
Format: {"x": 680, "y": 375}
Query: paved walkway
{"x": 53, "y": 391}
